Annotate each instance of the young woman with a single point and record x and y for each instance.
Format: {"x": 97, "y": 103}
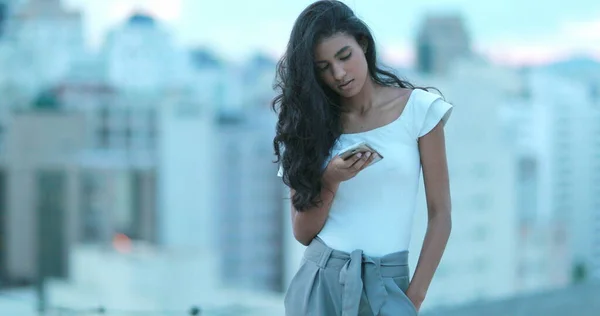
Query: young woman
{"x": 356, "y": 217}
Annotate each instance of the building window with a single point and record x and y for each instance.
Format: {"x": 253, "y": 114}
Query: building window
{"x": 480, "y": 202}
{"x": 3, "y": 225}
{"x": 443, "y": 270}
{"x": 480, "y": 265}
{"x": 527, "y": 169}
{"x": 103, "y": 133}
{"x": 187, "y": 110}
{"x": 91, "y": 224}
{"x": 594, "y": 92}
{"x": 51, "y": 215}
{"x": 425, "y": 57}
{"x": 480, "y": 170}
{"x": 480, "y": 233}
{"x": 3, "y": 18}
{"x": 127, "y": 135}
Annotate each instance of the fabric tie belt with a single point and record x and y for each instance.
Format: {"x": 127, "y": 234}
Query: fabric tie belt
{"x": 359, "y": 271}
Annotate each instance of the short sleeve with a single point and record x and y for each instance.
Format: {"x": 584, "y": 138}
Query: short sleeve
{"x": 430, "y": 110}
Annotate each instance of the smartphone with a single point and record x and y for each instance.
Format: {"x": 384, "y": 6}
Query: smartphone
{"x": 361, "y": 147}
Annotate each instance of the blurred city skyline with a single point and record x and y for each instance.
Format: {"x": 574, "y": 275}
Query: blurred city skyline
{"x": 502, "y": 32}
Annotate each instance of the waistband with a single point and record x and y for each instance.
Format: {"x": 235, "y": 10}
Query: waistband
{"x": 358, "y": 270}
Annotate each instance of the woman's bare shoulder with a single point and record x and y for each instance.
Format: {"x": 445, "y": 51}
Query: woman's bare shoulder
{"x": 396, "y": 97}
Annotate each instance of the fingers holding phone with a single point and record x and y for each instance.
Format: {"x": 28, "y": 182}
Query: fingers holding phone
{"x": 360, "y": 160}
{"x": 339, "y": 169}
{"x": 350, "y": 161}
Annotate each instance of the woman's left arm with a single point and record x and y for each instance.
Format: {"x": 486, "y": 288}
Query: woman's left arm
{"x": 432, "y": 148}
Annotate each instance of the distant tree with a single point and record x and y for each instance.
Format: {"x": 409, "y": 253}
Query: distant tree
{"x": 579, "y": 273}
{"x": 46, "y": 100}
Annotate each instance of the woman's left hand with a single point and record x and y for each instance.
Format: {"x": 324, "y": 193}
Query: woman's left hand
{"x": 414, "y": 298}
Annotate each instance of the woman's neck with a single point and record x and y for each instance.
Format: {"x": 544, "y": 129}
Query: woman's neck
{"x": 363, "y": 101}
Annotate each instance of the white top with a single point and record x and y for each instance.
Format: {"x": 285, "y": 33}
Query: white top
{"x": 374, "y": 210}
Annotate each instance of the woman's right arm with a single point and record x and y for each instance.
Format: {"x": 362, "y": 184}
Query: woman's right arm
{"x": 307, "y": 224}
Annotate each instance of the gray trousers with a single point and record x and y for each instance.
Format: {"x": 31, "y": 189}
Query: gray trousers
{"x": 331, "y": 282}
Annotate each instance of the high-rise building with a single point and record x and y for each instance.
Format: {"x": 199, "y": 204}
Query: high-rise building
{"x": 542, "y": 249}
{"x": 480, "y": 255}
{"x": 39, "y": 202}
{"x": 140, "y": 55}
{"x": 441, "y": 41}
{"x": 570, "y": 164}
{"x": 212, "y": 79}
{"x": 118, "y": 179}
{"x": 572, "y": 117}
{"x": 45, "y": 40}
{"x": 7, "y": 9}
{"x": 4, "y": 16}
{"x": 187, "y": 150}
{"x": 250, "y": 215}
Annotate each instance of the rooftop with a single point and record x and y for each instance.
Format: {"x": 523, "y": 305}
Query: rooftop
{"x": 581, "y": 300}
{"x": 140, "y": 18}
{"x": 141, "y": 280}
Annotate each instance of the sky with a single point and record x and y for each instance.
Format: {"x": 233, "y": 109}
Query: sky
{"x": 507, "y": 31}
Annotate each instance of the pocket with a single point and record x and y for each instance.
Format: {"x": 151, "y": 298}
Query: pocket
{"x": 293, "y": 281}
{"x": 402, "y": 283}
{"x": 297, "y": 295}
{"x": 290, "y": 287}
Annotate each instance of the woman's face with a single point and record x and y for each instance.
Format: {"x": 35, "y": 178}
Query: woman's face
{"x": 340, "y": 62}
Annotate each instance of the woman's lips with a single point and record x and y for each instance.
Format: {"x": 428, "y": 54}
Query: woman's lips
{"x": 345, "y": 85}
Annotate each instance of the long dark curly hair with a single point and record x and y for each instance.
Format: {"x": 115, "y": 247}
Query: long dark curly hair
{"x": 309, "y": 111}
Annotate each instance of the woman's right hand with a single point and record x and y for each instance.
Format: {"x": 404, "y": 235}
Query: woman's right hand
{"x": 339, "y": 170}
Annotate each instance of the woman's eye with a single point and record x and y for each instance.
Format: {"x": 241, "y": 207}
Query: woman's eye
{"x": 346, "y": 57}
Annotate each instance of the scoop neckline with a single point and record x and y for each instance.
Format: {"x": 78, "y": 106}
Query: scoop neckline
{"x": 408, "y": 102}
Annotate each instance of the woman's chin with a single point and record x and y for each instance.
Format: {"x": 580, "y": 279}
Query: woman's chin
{"x": 353, "y": 89}
{"x": 347, "y": 93}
